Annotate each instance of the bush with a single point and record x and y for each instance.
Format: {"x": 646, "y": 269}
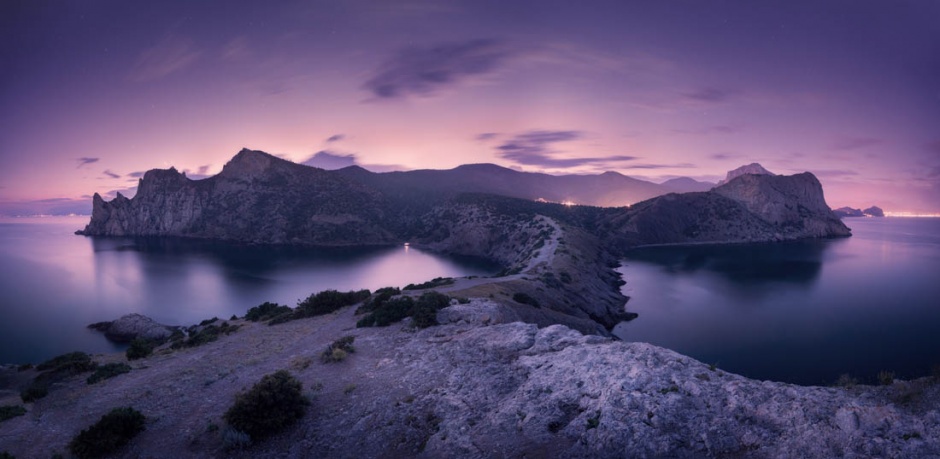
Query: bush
{"x": 11, "y": 411}
{"x": 338, "y": 350}
{"x": 108, "y": 371}
{"x": 72, "y": 363}
{"x": 525, "y": 299}
{"x": 436, "y": 282}
{"x": 140, "y": 348}
{"x": 886, "y": 378}
{"x": 378, "y": 299}
{"x": 109, "y": 434}
{"x": 328, "y": 301}
{"x": 267, "y": 311}
{"x": 424, "y": 312}
{"x": 35, "y": 391}
{"x": 388, "y": 313}
{"x": 268, "y": 407}
{"x": 201, "y": 335}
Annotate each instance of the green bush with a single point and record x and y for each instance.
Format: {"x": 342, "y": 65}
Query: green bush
{"x": 267, "y": 311}
{"x": 268, "y": 407}
{"x": 525, "y": 299}
{"x": 11, "y": 411}
{"x": 35, "y": 391}
{"x": 338, "y": 350}
{"x": 328, "y": 301}
{"x": 378, "y": 299}
{"x": 108, "y": 371}
{"x": 424, "y": 312}
{"x": 109, "y": 434}
{"x": 140, "y": 348}
{"x": 199, "y": 335}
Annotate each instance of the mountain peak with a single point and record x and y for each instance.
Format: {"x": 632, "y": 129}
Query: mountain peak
{"x": 753, "y": 169}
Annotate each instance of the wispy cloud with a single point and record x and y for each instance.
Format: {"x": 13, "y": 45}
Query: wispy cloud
{"x": 426, "y": 71}
{"x": 169, "y": 55}
{"x": 855, "y": 143}
{"x": 710, "y": 95}
{"x": 536, "y": 148}
{"x": 723, "y": 156}
{"x": 717, "y": 129}
{"x": 111, "y": 174}
{"x": 335, "y": 138}
{"x": 84, "y": 161}
{"x": 137, "y": 174}
{"x": 660, "y": 166}
{"x": 486, "y": 136}
{"x": 329, "y": 160}
{"x": 834, "y": 173}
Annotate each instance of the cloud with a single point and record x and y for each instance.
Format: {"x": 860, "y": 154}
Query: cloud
{"x": 111, "y": 174}
{"x": 425, "y": 71}
{"x": 328, "y": 160}
{"x": 137, "y": 174}
{"x": 710, "y": 95}
{"x": 834, "y": 173}
{"x": 534, "y": 148}
{"x": 486, "y": 136}
{"x": 201, "y": 172}
{"x": 335, "y": 138}
{"x": 718, "y": 129}
{"x": 723, "y": 156}
{"x": 84, "y": 161}
{"x": 660, "y": 166}
{"x": 855, "y": 143}
{"x": 170, "y": 55}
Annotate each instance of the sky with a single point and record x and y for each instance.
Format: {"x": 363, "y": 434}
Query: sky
{"x": 94, "y": 93}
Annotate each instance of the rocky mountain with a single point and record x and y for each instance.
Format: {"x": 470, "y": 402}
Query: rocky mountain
{"x": 873, "y": 211}
{"x": 686, "y": 185}
{"x": 753, "y": 169}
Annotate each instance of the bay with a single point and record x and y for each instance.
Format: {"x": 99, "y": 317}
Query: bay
{"x": 803, "y": 312}
{"x": 54, "y": 283}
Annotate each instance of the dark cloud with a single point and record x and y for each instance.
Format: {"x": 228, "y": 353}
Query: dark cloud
{"x": 137, "y": 174}
{"x": 84, "y": 161}
{"x": 486, "y": 136}
{"x": 201, "y": 172}
{"x": 534, "y": 148}
{"x": 660, "y": 166}
{"x": 330, "y": 161}
{"x": 111, "y": 174}
{"x": 834, "y": 173}
{"x": 335, "y": 138}
{"x": 855, "y": 143}
{"x": 709, "y": 95}
{"x": 424, "y": 71}
{"x": 723, "y": 156}
{"x": 126, "y": 192}
{"x": 719, "y": 129}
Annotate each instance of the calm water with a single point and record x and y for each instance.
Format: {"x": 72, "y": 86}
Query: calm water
{"x": 801, "y": 312}
{"x": 54, "y": 283}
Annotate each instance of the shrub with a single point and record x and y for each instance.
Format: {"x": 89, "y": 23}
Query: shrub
{"x": 199, "y": 336}
{"x": 208, "y": 321}
{"x": 392, "y": 311}
{"x": 35, "y": 391}
{"x": 267, "y": 311}
{"x": 11, "y": 411}
{"x": 108, "y": 371}
{"x": 846, "y": 380}
{"x": 886, "y": 378}
{"x": 378, "y": 299}
{"x": 338, "y": 350}
{"x": 525, "y": 299}
{"x": 235, "y": 439}
{"x": 109, "y": 434}
{"x": 72, "y": 363}
{"x": 328, "y": 301}
{"x": 269, "y": 406}
{"x": 436, "y": 282}
{"x": 140, "y": 348}
{"x": 6, "y": 455}
{"x": 424, "y": 312}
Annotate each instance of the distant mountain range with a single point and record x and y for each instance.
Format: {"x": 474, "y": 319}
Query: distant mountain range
{"x": 873, "y": 211}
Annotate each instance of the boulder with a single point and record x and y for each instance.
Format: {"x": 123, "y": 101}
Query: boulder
{"x": 132, "y": 326}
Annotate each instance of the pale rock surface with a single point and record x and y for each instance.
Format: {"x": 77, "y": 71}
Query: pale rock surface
{"x": 132, "y": 326}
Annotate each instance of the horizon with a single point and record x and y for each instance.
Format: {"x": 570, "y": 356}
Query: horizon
{"x": 98, "y": 94}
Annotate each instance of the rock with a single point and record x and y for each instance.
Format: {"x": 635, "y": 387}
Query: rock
{"x": 753, "y": 169}
{"x": 874, "y": 211}
{"x": 843, "y": 212}
{"x": 132, "y": 326}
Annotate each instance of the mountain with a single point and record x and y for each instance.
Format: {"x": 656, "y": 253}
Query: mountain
{"x": 753, "y": 169}
{"x": 687, "y": 185}
{"x": 873, "y": 211}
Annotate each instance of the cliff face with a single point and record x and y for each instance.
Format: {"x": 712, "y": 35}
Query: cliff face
{"x": 256, "y": 198}
{"x": 749, "y": 208}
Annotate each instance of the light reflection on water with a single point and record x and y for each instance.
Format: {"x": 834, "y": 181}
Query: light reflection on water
{"x": 55, "y": 283}
{"x": 801, "y": 312}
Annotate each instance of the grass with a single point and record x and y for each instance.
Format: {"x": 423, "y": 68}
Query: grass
{"x": 109, "y": 434}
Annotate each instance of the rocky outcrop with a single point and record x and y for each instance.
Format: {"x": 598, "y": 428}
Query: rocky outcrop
{"x": 874, "y": 211}
{"x": 752, "y": 169}
{"x": 844, "y": 212}
{"x": 133, "y": 326}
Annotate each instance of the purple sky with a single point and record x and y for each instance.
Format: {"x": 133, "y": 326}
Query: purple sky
{"x": 94, "y": 93}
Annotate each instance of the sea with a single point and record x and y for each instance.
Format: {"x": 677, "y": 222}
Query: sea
{"x": 802, "y": 312}
{"x": 54, "y": 283}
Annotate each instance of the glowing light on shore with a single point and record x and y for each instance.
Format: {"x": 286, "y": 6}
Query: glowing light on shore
{"x": 911, "y": 214}
{"x": 568, "y": 203}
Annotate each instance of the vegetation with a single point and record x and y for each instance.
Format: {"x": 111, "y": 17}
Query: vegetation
{"x": 378, "y": 299}
{"x": 109, "y": 434}
{"x": 35, "y": 391}
{"x": 328, "y": 301}
{"x": 140, "y": 348}
{"x": 11, "y": 411}
{"x": 54, "y": 370}
{"x": 108, "y": 371}
{"x": 433, "y": 283}
{"x": 423, "y": 311}
{"x": 267, "y": 311}
{"x": 338, "y": 350}
{"x": 268, "y": 407}
{"x": 525, "y": 299}
{"x": 199, "y": 335}
{"x": 886, "y": 378}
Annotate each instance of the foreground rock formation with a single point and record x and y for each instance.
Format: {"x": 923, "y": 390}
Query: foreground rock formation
{"x": 132, "y": 326}
{"x": 477, "y": 387}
